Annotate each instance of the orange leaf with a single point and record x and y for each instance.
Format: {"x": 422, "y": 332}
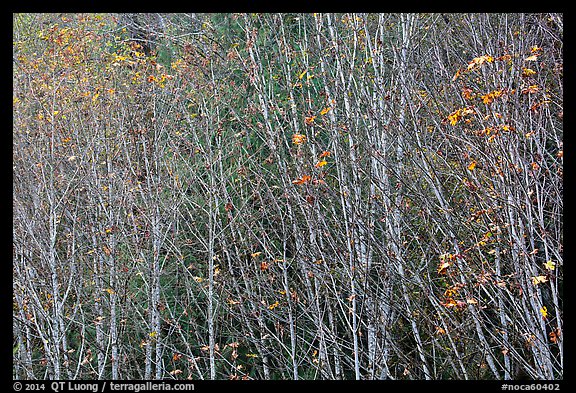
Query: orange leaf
{"x": 321, "y": 164}
{"x": 472, "y": 165}
{"x": 449, "y": 303}
{"x": 325, "y": 154}
{"x": 106, "y": 250}
{"x": 298, "y": 139}
{"x": 456, "y": 75}
{"x": 554, "y": 335}
{"x": 467, "y": 93}
{"x": 443, "y": 267}
{"x": 309, "y": 120}
{"x": 302, "y": 180}
{"x": 325, "y": 110}
{"x": 530, "y": 89}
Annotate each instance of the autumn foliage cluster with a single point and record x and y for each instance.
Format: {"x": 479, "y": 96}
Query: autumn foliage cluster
{"x": 287, "y": 196}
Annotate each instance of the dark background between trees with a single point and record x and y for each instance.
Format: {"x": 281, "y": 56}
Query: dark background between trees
{"x": 287, "y": 196}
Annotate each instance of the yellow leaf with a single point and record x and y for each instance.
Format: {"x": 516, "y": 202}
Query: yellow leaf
{"x": 254, "y": 255}
{"x": 479, "y": 61}
{"x": 539, "y": 280}
{"x": 110, "y": 291}
{"x": 550, "y": 265}
{"x": 153, "y": 334}
{"x": 251, "y": 355}
{"x": 528, "y": 72}
{"x": 487, "y": 98}
{"x": 472, "y": 165}
{"x": 454, "y": 117}
{"x": 544, "y": 312}
{"x": 273, "y": 305}
{"x": 302, "y": 74}
{"x": 321, "y": 164}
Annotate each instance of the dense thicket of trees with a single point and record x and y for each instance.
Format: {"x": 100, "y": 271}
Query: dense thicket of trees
{"x": 287, "y": 196}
